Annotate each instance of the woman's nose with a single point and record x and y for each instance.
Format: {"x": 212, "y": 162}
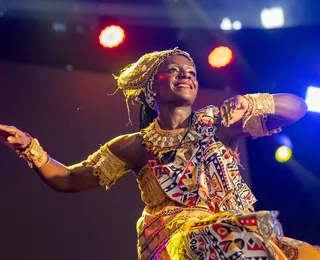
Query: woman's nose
{"x": 184, "y": 75}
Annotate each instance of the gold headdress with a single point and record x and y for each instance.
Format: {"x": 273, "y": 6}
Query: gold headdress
{"x": 138, "y": 77}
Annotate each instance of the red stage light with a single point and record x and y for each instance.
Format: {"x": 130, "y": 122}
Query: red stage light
{"x": 111, "y": 36}
{"x": 220, "y": 57}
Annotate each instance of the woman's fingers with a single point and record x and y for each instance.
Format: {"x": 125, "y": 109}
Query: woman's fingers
{"x": 223, "y": 115}
{"x": 230, "y": 108}
{"x": 242, "y": 103}
{"x": 8, "y": 129}
{"x": 236, "y": 105}
{"x": 13, "y": 137}
{"x": 5, "y": 132}
{"x": 234, "y": 109}
{"x": 226, "y": 114}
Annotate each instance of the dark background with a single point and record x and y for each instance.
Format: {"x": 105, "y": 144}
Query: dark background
{"x": 54, "y": 85}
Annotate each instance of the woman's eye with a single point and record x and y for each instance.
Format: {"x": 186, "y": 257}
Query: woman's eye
{"x": 193, "y": 73}
{"x": 172, "y": 70}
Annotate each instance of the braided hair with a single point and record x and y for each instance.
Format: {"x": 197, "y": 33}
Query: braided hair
{"x": 147, "y": 114}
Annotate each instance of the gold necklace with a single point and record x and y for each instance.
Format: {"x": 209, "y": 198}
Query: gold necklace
{"x": 159, "y": 141}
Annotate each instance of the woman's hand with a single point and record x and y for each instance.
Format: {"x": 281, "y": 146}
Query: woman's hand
{"x": 233, "y": 110}
{"x": 13, "y": 137}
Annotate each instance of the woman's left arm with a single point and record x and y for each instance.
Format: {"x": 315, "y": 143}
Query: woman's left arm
{"x": 288, "y": 109}
{"x": 258, "y": 115}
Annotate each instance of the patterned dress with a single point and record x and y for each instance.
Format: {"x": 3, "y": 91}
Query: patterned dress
{"x": 199, "y": 207}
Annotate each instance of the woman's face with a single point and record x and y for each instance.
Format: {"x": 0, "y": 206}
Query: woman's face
{"x": 176, "y": 82}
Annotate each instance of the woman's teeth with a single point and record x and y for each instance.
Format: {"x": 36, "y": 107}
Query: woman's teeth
{"x": 183, "y": 86}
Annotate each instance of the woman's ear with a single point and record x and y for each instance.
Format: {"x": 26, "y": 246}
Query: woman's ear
{"x": 154, "y": 93}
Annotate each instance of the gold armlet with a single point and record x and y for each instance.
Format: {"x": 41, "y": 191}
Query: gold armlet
{"x": 34, "y": 154}
{"x": 260, "y": 104}
{"x": 254, "y": 120}
{"x": 106, "y": 166}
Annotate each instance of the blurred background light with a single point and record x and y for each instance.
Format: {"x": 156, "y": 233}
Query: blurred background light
{"x": 313, "y": 99}
{"x": 272, "y": 17}
{"x": 226, "y": 24}
{"x": 112, "y": 36}
{"x": 59, "y": 27}
{"x": 236, "y": 25}
{"x": 220, "y": 57}
{"x": 283, "y": 154}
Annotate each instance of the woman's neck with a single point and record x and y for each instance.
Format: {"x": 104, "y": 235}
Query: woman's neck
{"x": 173, "y": 117}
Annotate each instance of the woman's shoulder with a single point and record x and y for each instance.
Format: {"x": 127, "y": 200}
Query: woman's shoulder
{"x": 124, "y": 143}
{"x": 127, "y": 147}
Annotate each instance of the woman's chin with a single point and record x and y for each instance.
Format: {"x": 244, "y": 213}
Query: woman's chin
{"x": 186, "y": 97}
{"x": 184, "y": 101}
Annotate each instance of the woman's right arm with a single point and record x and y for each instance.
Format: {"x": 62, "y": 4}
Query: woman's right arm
{"x": 63, "y": 178}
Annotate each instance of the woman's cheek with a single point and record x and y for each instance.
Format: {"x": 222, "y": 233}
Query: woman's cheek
{"x": 161, "y": 77}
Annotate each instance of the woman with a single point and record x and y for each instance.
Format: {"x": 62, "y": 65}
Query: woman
{"x": 197, "y": 204}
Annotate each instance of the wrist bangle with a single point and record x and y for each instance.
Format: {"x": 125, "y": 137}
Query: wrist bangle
{"x": 34, "y": 154}
{"x": 260, "y": 104}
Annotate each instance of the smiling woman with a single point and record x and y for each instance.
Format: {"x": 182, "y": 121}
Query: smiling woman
{"x": 176, "y": 88}
{"x": 197, "y": 204}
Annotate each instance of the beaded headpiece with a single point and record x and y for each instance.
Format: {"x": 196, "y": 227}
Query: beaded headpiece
{"x": 138, "y": 77}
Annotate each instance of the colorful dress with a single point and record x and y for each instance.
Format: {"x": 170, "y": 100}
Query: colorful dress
{"x": 199, "y": 207}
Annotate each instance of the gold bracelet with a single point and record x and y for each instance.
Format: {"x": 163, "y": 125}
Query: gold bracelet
{"x": 35, "y": 156}
{"x": 259, "y": 105}
{"x": 254, "y": 120}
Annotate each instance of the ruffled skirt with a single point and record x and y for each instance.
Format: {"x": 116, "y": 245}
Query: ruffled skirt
{"x": 195, "y": 233}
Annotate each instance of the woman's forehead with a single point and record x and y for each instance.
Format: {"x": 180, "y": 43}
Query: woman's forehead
{"x": 177, "y": 59}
